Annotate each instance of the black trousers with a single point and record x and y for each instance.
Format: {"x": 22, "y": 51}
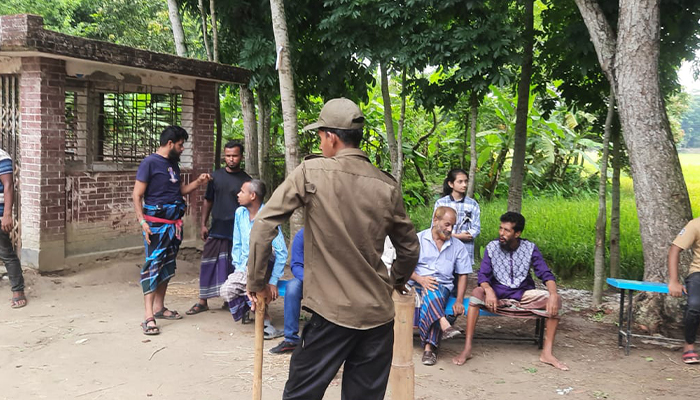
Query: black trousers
{"x": 325, "y": 346}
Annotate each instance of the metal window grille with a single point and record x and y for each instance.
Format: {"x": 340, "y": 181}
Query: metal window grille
{"x": 125, "y": 127}
{"x": 10, "y": 142}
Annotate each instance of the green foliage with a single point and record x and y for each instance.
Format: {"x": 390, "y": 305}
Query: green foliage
{"x": 690, "y": 123}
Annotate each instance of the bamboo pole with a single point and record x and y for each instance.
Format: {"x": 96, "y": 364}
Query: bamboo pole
{"x": 401, "y": 378}
{"x": 259, "y": 331}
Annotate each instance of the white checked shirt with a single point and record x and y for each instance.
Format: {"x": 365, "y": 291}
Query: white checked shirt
{"x": 468, "y": 218}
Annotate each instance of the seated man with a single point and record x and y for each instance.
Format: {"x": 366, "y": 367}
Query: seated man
{"x": 507, "y": 288}
{"x": 292, "y": 298}
{"x": 441, "y": 256}
{"x": 234, "y": 289}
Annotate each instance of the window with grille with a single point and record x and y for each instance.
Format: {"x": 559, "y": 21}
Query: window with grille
{"x": 117, "y": 127}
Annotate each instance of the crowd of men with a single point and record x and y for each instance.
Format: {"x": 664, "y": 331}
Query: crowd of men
{"x": 357, "y": 245}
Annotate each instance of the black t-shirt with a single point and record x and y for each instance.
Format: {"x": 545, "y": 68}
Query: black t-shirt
{"x": 163, "y": 179}
{"x": 223, "y": 190}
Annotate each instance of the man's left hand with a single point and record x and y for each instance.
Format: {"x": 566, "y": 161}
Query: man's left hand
{"x": 553, "y": 304}
{"x": 7, "y": 223}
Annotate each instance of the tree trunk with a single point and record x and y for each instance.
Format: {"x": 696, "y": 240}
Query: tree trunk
{"x": 250, "y": 131}
{"x": 474, "y": 107}
{"x": 517, "y": 170}
{"x": 214, "y": 30}
{"x": 203, "y": 15}
{"x": 178, "y": 32}
{"x": 399, "y": 134}
{"x": 615, "y": 207}
{"x": 215, "y": 43}
{"x": 263, "y": 137}
{"x": 288, "y": 99}
{"x": 389, "y": 122}
{"x": 663, "y": 205}
{"x": 600, "y": 224}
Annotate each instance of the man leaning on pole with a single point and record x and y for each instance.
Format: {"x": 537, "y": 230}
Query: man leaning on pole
{"x": 350, "y": 207}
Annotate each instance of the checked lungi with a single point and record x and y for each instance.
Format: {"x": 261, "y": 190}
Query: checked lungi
{"x": 533, "y": 303}
{"x": 428, "y": 313}
{"x": 165, "y": 222}
{"x": 215, "y": 268}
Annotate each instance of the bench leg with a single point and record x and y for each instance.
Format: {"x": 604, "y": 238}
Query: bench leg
{"x": 629, "y": 323}
{"x": 540, "y": 332}
{"x": 622, "y": 318}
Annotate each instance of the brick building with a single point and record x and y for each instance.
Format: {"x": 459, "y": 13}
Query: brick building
{"x": 78, "y": 115}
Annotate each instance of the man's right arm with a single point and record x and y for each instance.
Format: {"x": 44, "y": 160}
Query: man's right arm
{"x": 288, "y": 197}
{"x": 206, "y": 210}
{"x": 484, "y": 280}
{"x": 675, "y": 288}
{"x": 405, "y": 240}
{"x": 137, "y": 198}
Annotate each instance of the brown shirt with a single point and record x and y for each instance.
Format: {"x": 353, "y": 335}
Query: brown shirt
{"x": 689, "y": 237}
{"x": 351, "y": 206}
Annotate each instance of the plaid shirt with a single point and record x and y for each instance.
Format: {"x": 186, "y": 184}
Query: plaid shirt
{"x": 468, "y": 217}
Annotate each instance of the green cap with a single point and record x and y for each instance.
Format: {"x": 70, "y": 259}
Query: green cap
{"x": 339, "y": 113}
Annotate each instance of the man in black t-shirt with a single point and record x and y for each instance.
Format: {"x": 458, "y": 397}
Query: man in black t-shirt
{"x": 221, "y": 201}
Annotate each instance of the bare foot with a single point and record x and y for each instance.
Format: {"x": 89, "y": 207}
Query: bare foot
{"x": 462, "y": 358}
{"x": 18, "y": 300}
{"x": 551, "y": 360}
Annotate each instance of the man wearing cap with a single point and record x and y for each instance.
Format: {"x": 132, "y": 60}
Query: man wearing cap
{"x": 350, "y": 207}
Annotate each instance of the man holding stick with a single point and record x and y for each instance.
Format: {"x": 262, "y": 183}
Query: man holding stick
{"x": 350, "y": 207}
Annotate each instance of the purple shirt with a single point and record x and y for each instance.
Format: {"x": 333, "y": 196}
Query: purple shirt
{"x": 508, "y": 271}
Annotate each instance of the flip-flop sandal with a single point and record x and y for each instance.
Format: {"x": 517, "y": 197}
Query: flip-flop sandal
{"x": 197, "y": 308}
{"x": 14, "y": 302}
{"x": 161, "y": 314}
{"x": 149, "y": 330}
{"x": 270, "y": 332}
{"x": 691, "y": 357}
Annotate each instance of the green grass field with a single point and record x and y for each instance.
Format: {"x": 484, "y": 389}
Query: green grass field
{"x": 564, "y": 229}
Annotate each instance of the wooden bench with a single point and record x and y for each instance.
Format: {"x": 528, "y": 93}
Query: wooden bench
{"x": 538, "y": 338}
{"x": 630, "y": 286}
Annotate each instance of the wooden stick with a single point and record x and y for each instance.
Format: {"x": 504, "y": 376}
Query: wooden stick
{"x": 401, "y": 378}
{"x": 259, "y": 332}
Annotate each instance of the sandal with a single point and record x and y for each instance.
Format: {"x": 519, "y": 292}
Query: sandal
{"x": 429, "y": 358}
{"x": 150, "y": 330}
{"x": 161, "y": 314}
{"x": 690, "y": 357}
{"x": 450, "y": 333}
{"x": 197, "y": 308}
{"x": 15, "y": 302}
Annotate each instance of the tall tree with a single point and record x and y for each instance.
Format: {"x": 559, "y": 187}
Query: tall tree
{"x": 389, "y": 122}
{"x": 630, "y": 60}
{"x": 288, "y": 97}
{"x": 473, "y": 115}
{"x": 250, "y": 131}
{"x": 178, "y": 32}
{"x": 517, "y": 171}
{"x": 601, "y": 221}
{"x": 615, "y": 206}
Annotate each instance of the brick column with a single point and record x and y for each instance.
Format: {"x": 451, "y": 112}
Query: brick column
{"x": 202, "y": 139}
{"x": 42, "y": 144}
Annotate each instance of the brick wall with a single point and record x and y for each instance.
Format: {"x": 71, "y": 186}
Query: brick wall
{"x": 42, "y": 148}
{"x": 100, "y": 213}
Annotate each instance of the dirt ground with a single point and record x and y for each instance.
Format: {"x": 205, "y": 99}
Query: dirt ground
{"x": 79, "y": 338}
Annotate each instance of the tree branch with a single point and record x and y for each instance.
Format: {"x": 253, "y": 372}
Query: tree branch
{"x": 602, "y": 35}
